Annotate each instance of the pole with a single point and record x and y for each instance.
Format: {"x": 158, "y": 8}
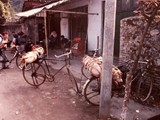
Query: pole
{"x": 71, "y": 12}
{"x": 108, "y": 46}
{"x": 45, "y": 27}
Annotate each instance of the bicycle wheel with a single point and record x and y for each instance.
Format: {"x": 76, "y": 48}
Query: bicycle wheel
{"x": 85, "y": 72}
{"x": 36, "y": 76}
{"x": 20, "y": 65}
{"x": 145, "y": 86}
{"x": 91, "y": 91}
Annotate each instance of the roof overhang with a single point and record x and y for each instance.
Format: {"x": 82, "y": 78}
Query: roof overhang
{"x": 34, "y": 11}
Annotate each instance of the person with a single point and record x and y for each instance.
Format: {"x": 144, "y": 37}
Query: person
{"x": 6, "y": 40}
{"x": 3, "y": 46}
{"x": 1, "y": 40}
{"x": 52, "y": 39}
{"x": 66, "y": 43}
{"x": 15, "y": 40}
{"x": 22, "y": 38}
{"x": 28, "y": 45}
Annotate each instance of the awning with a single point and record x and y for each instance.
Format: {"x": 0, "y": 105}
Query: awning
{"x": 37, "y": 10}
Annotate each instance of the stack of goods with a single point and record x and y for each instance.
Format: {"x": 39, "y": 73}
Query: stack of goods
{"x": 32, "y": 56}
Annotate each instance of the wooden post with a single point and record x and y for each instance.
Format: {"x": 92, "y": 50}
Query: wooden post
{"x": 108, "y": 46}
{"x": 36, "y": 31}
{"x": 45, "y": 27}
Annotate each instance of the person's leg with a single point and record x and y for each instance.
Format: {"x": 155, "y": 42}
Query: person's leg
{"x": 5, "y": 59}
{"x": 52, "y": 45}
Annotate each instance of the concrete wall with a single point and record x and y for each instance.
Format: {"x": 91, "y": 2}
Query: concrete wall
{"x": 10, "y": 28}
{"x": 94, "y": 21}
{"x": 30, "y": 28}
{"x": 64, "y": 25}
{"x": 94, "y": 24}
{"x": 131, "y": 32}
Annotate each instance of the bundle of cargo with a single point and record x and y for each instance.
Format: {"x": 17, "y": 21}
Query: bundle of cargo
{"x": 94, "y": 66}
{"x": 32, "y": 56}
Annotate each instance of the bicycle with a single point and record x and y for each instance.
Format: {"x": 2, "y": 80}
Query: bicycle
{"x": 5, "y": 62}
{"x": 38, "y": 74}
{"x": 147, "y": 79}
{"x": 91, "y": 88}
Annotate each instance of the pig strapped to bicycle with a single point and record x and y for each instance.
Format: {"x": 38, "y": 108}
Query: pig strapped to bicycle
{"x": 94, "y": 66}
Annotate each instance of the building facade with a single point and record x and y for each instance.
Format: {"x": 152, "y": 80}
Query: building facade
{"x": 71, "y": 21}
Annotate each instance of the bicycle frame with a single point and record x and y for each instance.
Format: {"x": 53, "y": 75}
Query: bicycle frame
{"x": 42, "y": 60}
{"x": 66, "y": 65}
{"x": 15, "y": 55}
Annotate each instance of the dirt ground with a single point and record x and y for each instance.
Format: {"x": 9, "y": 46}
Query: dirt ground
{"x": 51, "y": 101}
{"x": 54, "y": 101}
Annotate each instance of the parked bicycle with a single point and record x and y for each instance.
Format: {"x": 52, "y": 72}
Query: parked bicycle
{"x": 91, "y": 88}
{"x": 149, "y": 76}
{"x": 38, "y": 73}
{"x": 5, "y": 62}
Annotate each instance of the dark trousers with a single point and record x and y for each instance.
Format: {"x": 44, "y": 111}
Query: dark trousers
{"x": 5, "y": 59}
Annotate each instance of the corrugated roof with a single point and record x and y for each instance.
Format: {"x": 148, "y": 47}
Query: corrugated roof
{"x": 34, "y": 11}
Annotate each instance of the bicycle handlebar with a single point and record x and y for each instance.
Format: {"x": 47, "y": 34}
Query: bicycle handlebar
{"x": 65, "y": 54}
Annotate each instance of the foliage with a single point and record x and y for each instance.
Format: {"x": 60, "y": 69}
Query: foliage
{"x": 149, "y": 9}
{"x": 6, "y": 11}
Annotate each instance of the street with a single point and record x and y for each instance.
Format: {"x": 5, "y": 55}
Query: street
{"x": 51, "y": 101}
{"x": 54, "y": 100}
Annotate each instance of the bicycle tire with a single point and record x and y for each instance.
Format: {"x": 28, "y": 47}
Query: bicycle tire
{"x": 85, "y": 72}
{"x": 91, "y": 91}
{"x": 21, "y": 65}
{"x": 36, "y": 76}
{"x": 145, "y": 87}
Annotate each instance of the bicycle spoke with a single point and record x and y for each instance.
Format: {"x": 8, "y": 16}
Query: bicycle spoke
{"x": 91, "y": 91}
{"x": 20, "y": 65}
{"x": 92, "y": 95}
{"x": 36, "y": 76}
{"x": 85, "y": 72}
